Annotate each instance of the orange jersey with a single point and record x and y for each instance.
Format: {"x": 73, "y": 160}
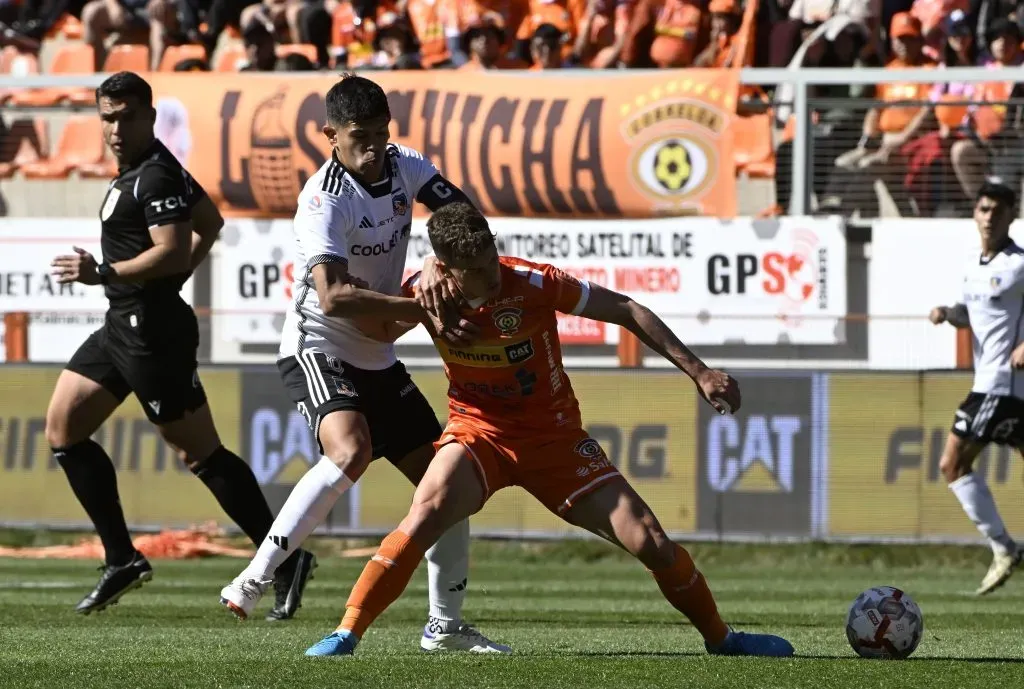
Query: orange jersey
{"x": 895, "y": 118}
{"x": 434, "y": 21}
{"x": 510, "y": 382}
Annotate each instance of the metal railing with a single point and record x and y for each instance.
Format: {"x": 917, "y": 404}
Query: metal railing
{"x": 800, "y": 80}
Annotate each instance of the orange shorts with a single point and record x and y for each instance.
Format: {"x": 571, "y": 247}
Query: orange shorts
{"x": 557, "y": 470}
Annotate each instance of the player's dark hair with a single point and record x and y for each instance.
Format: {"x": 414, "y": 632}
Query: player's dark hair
{"x": 458, "y": 233}
{"x": 356, "y": 99}
{"x": 125, "y": 85}
{"x": 998, "y": 192}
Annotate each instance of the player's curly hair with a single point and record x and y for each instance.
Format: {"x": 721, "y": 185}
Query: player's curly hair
{"x": 355, "y": 99}
{"x": 458, "y": 233}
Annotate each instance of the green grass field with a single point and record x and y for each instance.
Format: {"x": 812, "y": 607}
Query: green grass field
{"x": 577, "y": 614}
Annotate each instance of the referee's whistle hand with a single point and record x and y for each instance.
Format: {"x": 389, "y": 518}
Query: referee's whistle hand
{"x": 77, "y": 267}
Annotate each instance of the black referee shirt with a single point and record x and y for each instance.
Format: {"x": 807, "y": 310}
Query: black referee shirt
{"x": 155, "y": 190}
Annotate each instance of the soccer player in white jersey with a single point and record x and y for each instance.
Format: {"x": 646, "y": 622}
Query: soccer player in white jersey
{"x": 992, "y": 307}
{"x": 352, "y": 229}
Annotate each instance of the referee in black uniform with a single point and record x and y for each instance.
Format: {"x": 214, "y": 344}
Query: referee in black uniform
{"x": 157, "y": 225}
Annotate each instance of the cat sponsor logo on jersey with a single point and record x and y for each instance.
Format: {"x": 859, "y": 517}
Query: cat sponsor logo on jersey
{"x": 488, "y": 356}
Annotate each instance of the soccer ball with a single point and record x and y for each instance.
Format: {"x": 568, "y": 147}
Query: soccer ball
{"x": 884, "y": 623}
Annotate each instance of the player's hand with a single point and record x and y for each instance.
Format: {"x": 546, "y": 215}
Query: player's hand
{"x": 358, "y": 283}
{"x": 938, "y": 315}
{"x": 720, "y": 390}
{"x": 441, "y": 299}
{"x": 1017, "y": 357}
{"x": 79, "y": 267}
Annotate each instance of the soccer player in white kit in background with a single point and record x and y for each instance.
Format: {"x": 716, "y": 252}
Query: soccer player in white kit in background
{"x": 352, "y": 229}
{"x": 993, "y": 307}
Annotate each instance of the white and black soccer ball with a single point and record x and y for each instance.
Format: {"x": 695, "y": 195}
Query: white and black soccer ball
{"x": 884, "y": 622}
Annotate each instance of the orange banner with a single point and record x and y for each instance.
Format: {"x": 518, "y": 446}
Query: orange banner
{"x": 579, "y": 145}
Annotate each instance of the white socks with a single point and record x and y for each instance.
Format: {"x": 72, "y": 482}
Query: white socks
{"x": 306, "y": 508}
{"x": 977, "y": 501}
{"x": 447, "y": 571}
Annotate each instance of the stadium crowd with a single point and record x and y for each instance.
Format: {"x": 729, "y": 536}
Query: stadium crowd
{"x": 920, "y": 152}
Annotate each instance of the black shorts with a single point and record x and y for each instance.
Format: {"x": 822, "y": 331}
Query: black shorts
{"x": 991, "y": 419}
{"x": 399, "y": 417}
{"x": 163, "y": 376}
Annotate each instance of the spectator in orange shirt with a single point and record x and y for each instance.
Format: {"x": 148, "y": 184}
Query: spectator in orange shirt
{"x": 354, "y": 30}
{"x": 554, "y": 12}
{"x": 546, "y": 48}
{"x": 512, "y": 12}
{"x": 677, "y": 27}
{"x": 483, "y": 40}
{"x": 726, "y": 18}
{"x": 603, "y": 29}
{"x": 932, "y": 14}
{"x": 436, "y": 26}
{"x": 393, "y": 39}
{"x": 994, "y": 146}
{"x": 893, "y": 126}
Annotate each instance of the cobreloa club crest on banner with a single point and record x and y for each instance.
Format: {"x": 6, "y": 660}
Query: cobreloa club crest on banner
{"x": 580, "y": 145}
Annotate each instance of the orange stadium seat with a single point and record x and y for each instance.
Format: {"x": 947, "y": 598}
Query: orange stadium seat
{"x": 81, "y": 143}
{"x": 127, "y": 58}
{"x": 176, "y": 53}
{"x": 305, "y": 49}
{"x": 25, "y": 143}
{"x": 230, "y": 58}
{"x": 71, "y": 58}
{"x": 16, "y": 64}
{"x": 752, "y": 145}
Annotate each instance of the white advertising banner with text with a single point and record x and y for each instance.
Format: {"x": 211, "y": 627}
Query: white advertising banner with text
{"x": 714, "y": 281}
{"x": 62, "y": 316}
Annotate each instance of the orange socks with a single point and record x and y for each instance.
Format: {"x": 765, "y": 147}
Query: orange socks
{"x": 383, "y": 579}
{"x": 685, "y": 588}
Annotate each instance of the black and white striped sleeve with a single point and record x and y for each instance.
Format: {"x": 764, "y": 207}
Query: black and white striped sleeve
{"x": 322, "y": 228}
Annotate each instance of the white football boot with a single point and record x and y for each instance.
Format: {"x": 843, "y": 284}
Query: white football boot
{"x": 465, "y": 638}
{"x": 999, "y": 571}
{"x": 242, "y": 595}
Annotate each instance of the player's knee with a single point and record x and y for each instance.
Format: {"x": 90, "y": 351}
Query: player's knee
{"x": 953, "y": 465}
{"x": 351, "y": 458}
{"x": 57, "y": 429}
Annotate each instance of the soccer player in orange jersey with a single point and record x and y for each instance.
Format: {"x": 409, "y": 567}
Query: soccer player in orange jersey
{"x": 514, "y": 420}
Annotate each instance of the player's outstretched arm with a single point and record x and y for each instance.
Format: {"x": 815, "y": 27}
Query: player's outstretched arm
{"x": 340, "y": 298}
{"x": 956, "y": 315}
{"x": 717, "y": 387}
{"x": 206, "y": 226}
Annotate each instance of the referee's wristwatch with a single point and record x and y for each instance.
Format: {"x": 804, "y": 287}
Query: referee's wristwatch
{"x": 104, "y": 270}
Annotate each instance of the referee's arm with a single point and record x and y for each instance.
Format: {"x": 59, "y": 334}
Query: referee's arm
{"x": 206, "y": 226}
{"x": 165, "y": 199}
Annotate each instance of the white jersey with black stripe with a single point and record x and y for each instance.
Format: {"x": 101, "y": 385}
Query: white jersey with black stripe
{"x": 340, "y": 219}
{"x": 993, "y": 292}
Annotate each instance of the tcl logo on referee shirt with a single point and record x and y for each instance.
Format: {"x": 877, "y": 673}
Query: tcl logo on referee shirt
{"x": 169, "y": 204}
